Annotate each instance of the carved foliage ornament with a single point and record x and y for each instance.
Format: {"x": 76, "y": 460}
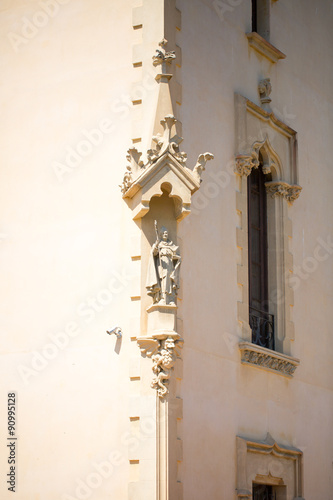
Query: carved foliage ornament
{"x": 265, "y": 358}
{"x": 162, "y": 56}
{"x": 164, "y": 351}
{"x": 133, "y": 168}
{"x": 290, "y": 193}
{"x": 246, "y": 162}
{"x": 165, "y": 143}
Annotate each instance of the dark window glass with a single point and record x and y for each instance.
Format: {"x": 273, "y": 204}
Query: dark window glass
{"x": 254, "y": 15}
{"x": 261, "y": 322}
{"x": 260, "y": 17}
{"x": 263, "y": 492}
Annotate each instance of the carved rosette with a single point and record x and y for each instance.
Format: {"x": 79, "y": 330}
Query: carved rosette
{"x": 279, "y": 188}
{"x": 164, "y": 349}
{"x": 270, "y": 360}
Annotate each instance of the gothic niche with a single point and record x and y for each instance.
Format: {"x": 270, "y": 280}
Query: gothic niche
{"x": 159, "y": 193}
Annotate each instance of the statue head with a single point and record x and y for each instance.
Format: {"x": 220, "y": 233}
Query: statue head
{"x": 169, "y": 343}
{"x": 164, "y": 234}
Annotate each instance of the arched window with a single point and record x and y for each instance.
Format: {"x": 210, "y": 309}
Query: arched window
{"x": 260, "y": 319}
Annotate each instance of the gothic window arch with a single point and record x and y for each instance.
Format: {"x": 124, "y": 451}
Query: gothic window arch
{"x": 265, "y": 162}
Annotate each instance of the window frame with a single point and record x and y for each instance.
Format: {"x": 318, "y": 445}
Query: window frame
{"x": 260, "y": 133}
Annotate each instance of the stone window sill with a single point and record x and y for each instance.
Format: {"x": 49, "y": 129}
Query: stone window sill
{"x": 266, "y": 359}
{"x": 264, "y": 48}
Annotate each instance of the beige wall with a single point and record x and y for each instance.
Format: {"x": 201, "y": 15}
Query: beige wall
{"x": 67, "y": 237}
{"x": 229, "y": 398}
{"x": 63, "y": 246}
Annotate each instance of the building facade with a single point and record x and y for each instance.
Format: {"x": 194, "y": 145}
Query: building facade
{"x": 166, "y": 249}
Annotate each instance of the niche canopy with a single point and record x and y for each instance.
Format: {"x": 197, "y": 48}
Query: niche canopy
{"x": 165, "y": 170}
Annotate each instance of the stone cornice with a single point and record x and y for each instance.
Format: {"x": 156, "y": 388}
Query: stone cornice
{"x": 267, "y": 359}
{"x": 264, "y": 48}
{"x": 279, "y": 188}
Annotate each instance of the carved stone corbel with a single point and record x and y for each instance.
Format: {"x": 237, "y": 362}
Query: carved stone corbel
{"x": 279, "y": 188}
{"x": 245, "y": 163}
{"x": 164, "y": 349}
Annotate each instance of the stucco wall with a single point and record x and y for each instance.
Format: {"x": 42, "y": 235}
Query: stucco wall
{"x": 67, "y": 242}
{"x": 222, "y": 398}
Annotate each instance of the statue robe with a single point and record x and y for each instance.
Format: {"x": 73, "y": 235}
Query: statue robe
{"x": 162, "y": 277}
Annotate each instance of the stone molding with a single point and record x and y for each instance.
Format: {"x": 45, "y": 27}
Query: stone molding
{"x": 264, "y": 48}
{"x": 164, "y": 349}
{"x": 267, "y": 359}
{"x": 166, "y": 165}
{"x": 268, "y": 462}
{"x": 279, "y": 188}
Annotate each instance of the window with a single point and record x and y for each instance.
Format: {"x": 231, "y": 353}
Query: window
{"x": 260, "y": 17}
{"x": 263, "y": 492}
{"x": 260, "y": 320}
{"x": 266, "y": 186}
{"x": 259, "y": 38}
{"x": 267, "y": 470}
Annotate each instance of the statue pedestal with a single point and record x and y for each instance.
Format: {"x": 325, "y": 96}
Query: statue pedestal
{"x": 161, "y": 318}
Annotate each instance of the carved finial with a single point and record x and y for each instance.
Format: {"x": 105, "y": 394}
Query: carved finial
{"x": 265, "y": 88}
{"x": 162, "y": 56}
{"x": 166, "y": 143}
{"x": 200, "y": 166}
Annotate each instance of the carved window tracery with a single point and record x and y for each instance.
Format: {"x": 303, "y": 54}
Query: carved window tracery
{"x": 266, "y": 149}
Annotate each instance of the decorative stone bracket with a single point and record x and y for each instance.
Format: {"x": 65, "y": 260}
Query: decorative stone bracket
{"x": 246, "y": 162}
{"x": 289, "y": 193}
{"x": 164, "y": 349}
{"x": 165, "y": 165}
{"x": 269, "y": 360}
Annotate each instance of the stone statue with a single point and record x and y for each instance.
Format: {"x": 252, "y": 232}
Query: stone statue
{"x": 163, "y": 269}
